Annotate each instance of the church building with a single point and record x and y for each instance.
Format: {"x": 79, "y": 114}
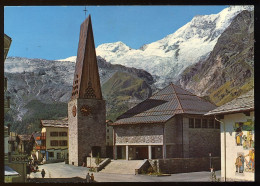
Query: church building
{"x": 86, "y": 108}
{"x": 169, "y": 124}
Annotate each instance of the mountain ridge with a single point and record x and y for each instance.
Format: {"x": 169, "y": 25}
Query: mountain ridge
{"x": 167, "y": 58}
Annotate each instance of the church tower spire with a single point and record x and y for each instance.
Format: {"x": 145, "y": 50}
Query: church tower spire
{"x": 86, "y": 82}
{"x": 86, "y": 108}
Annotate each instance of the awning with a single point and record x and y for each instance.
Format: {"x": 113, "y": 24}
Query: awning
{"x": 10, "y": 172}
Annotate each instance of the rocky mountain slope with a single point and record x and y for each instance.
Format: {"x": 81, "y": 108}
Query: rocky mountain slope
{"x": 40, "y": 89}
{"x": 212, "y": 56}
{"x": 123, "y": 91}
{"x": 167, "y": 58}
{"x": 229, "y": 70}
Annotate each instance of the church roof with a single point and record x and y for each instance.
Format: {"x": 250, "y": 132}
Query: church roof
{"x": 55, "y": 123}
{"x": 239, "y": 104}
{"x": 165, "y": 104}
{"x": 86, "y": 83}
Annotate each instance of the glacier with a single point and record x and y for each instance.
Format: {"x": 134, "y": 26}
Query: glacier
{"x": 167, "y": 58}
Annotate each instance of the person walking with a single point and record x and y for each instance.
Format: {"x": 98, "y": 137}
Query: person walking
{"x": 43, "y": 173}
{"x": 92, "y": 178}
{"x": 88, "y": 178}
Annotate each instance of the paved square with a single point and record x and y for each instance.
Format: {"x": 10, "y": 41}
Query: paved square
{"x": 61, "y": 172}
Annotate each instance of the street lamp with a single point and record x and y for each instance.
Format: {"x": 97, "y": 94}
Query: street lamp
{"x": 210, "y": 167}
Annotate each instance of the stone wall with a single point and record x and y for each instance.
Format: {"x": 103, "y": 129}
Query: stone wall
{"x": 141, "y": 133}
{"x": 92, "y": 128}
{"x": 182, "y": 165}
{"x": 204, "y": 141}
{"x": 73, "y": 133}
{"x": 170, "y": 131}
{"x": 86, "y": 132}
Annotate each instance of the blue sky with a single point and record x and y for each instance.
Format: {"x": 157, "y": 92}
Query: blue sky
{"x": 52, "y": 32}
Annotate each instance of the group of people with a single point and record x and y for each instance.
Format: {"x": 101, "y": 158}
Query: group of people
{"x": 90, "y": 178}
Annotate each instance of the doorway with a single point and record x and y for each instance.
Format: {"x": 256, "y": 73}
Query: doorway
{"x": 119, "y": 152}
{"x": 96, "y": 150}
{"x": 153, "y": 152}
{"x": 141, "y": 153}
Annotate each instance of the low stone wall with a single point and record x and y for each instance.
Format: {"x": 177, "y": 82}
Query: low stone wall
{"x": 103, "y": 164}
{"x": 91, "y": 162}
{"x": 146, "y": 164}
{"x": 182, "y": 165}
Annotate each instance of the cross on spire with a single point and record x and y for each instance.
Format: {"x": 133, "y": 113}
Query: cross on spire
{"x": 85, "y": 10}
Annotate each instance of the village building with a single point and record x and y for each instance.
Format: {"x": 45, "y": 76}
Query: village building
{"x": 86, "y": 108}
{"x": 169, "y": 124}
{"x": 36, "y": 152}
{"x": 237, "y": 138}
{"x": 109, "y": 139}
{"x": 54, "y": 140}
{"x": 109, "y": 133}
{"x": 25, "y": 143}
{"x": 15, "y": 171}
{"x": 6, "y": 142}
{"x": 13, "y": 143}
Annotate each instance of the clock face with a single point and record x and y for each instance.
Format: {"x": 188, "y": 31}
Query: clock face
{"x": 85, "y": 110}
{"x": 74, "y": 111}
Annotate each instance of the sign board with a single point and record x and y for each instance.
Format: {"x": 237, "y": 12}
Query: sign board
{"x": 19, "y": 159}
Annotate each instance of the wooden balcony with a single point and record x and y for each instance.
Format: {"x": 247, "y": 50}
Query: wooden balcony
{"x": 40, "y": 147}
{"x": 43, "y": 137}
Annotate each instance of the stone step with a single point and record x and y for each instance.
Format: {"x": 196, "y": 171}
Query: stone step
{"x": 122, "y": 166}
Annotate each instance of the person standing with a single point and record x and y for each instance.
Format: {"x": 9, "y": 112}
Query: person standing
{"x": 92, "y": 178}
{"x": 43, "y": 173}
{"x": 88, "y": 178}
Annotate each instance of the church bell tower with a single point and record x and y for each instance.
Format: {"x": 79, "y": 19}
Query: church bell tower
{"x": 86, "y": 108}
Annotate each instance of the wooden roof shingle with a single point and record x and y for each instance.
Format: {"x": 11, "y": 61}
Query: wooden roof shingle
{"x": 242, "y": 103}
{"x": 55, "y": 123}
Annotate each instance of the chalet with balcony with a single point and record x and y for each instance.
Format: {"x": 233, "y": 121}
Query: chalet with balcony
{"x": 54, "y": 140}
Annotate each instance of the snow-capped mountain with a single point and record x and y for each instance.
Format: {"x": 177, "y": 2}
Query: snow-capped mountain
{"x": 72, "y": 59}
{"x": 168, "y": 57}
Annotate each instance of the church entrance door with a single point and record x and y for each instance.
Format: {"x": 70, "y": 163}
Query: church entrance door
{"x": 119, "y": 152}
{"x": 141, "y": 153}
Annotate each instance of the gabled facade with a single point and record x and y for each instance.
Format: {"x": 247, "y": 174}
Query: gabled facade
{"x": 54, "y": 140}
{"x": 169, "y": 124}
{"x": 237, "y": 138}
